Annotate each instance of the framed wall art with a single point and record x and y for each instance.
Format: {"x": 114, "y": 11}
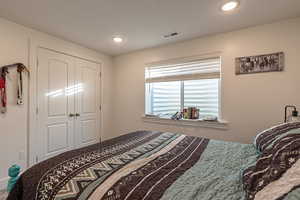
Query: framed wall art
{"x": 261, "y": 63}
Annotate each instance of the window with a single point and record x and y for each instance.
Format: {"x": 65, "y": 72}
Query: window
{"x": 171, "y": 88}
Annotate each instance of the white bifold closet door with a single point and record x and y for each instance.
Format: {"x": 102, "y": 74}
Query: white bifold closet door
{"x": 68, "y": 103}
{"x": 87, "y": 103}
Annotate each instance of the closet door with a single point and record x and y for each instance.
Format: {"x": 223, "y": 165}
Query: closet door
{"x": 87, "y": 103}
{"x": 56, "y": 89}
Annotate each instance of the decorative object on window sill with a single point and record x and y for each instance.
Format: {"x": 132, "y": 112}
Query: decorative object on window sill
{"x": 293, "y": 117}
{"x": 210, "y": 118}
{"x": 150, "y": 115}
{"x": 177, "y": 116}
{"x": 261, "y": 63}
{"x": 3, "y": 93}
{"x": 217, "y": 124}
{"x": 191, "y": 113}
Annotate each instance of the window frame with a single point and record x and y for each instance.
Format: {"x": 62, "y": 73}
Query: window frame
{"x": 149, "y": 107}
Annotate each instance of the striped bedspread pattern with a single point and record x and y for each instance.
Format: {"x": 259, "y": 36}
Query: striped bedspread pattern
{"x": 137, "y": 166}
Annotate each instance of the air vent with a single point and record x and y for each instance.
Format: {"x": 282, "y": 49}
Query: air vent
{"x": 171, "y": 35}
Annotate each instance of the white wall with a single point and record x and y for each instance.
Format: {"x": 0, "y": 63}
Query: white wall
{"x": 249, "y": 102}
{"x": 15, "y": 43}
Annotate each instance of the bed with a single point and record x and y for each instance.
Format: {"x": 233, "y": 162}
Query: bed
{"x": 146, "y": 165}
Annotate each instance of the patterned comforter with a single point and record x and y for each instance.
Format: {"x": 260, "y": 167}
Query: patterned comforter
{"x": 142, "y": 165}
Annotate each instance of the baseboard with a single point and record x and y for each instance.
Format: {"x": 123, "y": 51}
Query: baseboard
{"x": 3, "y": 183}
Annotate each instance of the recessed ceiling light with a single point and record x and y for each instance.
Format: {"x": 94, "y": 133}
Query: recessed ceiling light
{"x": 230, "y": 5}
{"x": 117, "y": 39}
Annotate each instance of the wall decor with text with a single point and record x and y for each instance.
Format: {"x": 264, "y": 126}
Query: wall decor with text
{"x": 261, "y": 63}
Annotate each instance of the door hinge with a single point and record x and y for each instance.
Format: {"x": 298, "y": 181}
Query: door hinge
{"x": 100, "y": 74}
{"x": 36, "y": 159}
{"x": 37, "y": 110}
{"x": 100, "y": 108}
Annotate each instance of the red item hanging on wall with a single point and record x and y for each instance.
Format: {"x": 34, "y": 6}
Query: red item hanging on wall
{"x": 3, "y": 97}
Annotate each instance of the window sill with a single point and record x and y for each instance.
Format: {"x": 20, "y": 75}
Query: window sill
{"x": 220, "y": 124}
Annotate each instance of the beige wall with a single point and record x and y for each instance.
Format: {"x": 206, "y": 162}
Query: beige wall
{"x": 250, "y": 103}
{"x": 14, "y": 128}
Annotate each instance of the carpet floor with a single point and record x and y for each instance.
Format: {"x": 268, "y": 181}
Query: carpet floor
{"x": 3, "y": 195}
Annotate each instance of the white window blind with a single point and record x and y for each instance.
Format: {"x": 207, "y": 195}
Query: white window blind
{"x": 171, "y": 88}
{"x": 166, "y": 98}
{"x": 201, "y": 69}
{"x": 203, "y": 94}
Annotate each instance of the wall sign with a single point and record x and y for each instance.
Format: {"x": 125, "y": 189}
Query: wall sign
{"x": 261, "y": 63}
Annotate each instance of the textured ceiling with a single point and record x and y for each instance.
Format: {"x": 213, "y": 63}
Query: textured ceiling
{"x": 142, "y": 23}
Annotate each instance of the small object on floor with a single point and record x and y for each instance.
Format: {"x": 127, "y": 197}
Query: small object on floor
{"x": 13, "y": 173}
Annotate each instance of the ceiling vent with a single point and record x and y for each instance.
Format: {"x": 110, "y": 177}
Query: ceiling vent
{"x": 171, "y": 35}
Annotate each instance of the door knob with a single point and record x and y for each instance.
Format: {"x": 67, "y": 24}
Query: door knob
{"x": 77, "y": 114}
{"x": 71, "y": 115}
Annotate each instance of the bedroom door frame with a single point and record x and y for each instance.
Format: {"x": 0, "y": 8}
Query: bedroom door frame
{"x": 66, "y": 49}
